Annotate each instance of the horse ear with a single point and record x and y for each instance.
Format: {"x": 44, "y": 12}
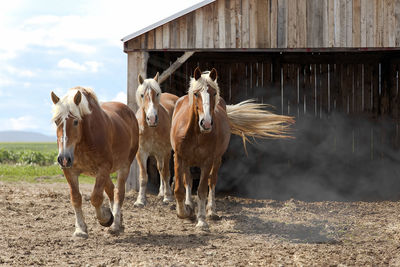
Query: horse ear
{"x": 213, "y": 74}
{"x": 140, "y": 79}
{"x": 54, "y": 98}
{"x": 77, "y": 98}
{"x": 156, "y": 77}
{"x": 197, "y": 73}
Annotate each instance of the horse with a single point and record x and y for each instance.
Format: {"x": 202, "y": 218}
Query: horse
{"x": 154, "y": 117}
{"x": 95, "y": 140}
{"x": 202, "y": 124}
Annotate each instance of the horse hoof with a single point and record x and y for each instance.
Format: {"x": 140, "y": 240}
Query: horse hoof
{"x": 80, "y": 234}
{"x": 139, "y": 204}
{"x": 167, "y": 200}
{"x": 114, "y": 231}
{"x": 202, "y": 225}
{"x": 110, "y": 221}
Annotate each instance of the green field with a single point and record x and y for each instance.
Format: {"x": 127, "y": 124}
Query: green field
{"x": 32, "y": 162}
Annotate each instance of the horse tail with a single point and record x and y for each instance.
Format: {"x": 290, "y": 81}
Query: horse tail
{"x": 250, "y": 119}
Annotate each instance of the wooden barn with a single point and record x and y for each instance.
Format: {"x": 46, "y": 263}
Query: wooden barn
{"x": 332, "y": 64}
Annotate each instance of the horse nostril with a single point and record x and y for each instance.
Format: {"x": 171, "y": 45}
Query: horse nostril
{"x": 202, "y": 122}
{"x": 69, "y": 160}
{"x": 59, "y": 160}
{"x": 156, "y": 118}
{"x": 212, "y": 122}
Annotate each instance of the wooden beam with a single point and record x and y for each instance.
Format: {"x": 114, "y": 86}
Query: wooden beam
{"x": 175, "y": 66}
{"x": 137, "y": 64}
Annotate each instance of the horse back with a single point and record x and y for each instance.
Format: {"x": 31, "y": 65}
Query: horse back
{"x": 123, "y": 126}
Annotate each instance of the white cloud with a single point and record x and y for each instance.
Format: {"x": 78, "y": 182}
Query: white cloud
{"x": 20, "y": 72}
{"x": 121, "y": 97}
{"x": 91, "y": 66}
{"x": 23, "y": 123}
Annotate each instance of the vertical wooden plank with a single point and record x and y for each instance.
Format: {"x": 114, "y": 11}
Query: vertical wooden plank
{"x": 253, "y": 23}
{"x": 199, "y": 28}
{"x": 174, "y": 34}
{"x": 349, "y": 23}
{"x": 292, "y": 25}
{"x": 137, "y": 64}
{"x": 263, "y": 24}
{"x": 356, "y": 23}
{"x": 215, "y": 25}
{"x": 301, "y": 30}
{"x": 274, "y": 23}
{"x": 370, "y": 22}
{"x": 183, "y": 32}
{"x": 331, "y": 23}
{"x": 325, "y": 24}
{"x": 238, "y": 23}
{"x": 159, "y": 37}
{"x": 342, "y": 23}
{"x": 191, "y": 30}
{"x": 165, "y": 34}
{"x": 246, "y": 23}
{"x": 391, "y": 24}
{"x": 208, "y": 27}
{"x": 282, "y": 24}
{"x": 221, "y": 24}
{"x": 150, "y": 39}
{"x": 379, "y": 23}
{"x": 143, "y": 41}
{"x": 363, "y": 23}
{"x": 232, "y": 14}
{"x": 397, "y": 22}
{"x": 314, "y": 23}
{"x": 227, "y": 23}
{"x": 337, "y": 23}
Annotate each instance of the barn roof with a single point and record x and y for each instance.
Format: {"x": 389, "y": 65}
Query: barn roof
{"x": 166, "y": 20}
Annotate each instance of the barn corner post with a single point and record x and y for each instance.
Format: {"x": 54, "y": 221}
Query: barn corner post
{"x": 137, "y": 64}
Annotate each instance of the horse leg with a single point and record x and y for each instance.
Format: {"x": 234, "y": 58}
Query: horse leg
{"x": 202, "y": 196}
{"x": 104, "y": 214}
{"x": 119, "y": 196}
{"x": 142, "y": 162}
{"x": 188, "y": 187}
{"x": 211, "y": 207}
{"x": 109, "y": 188}
{"x": 163, "y": 169}
{"x": 76, "y": 201}
{"x": 183, "y": 211}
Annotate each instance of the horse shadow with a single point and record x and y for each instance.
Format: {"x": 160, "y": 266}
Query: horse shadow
{"x": 294, "y": 233}
{"x": 183, "y": 241}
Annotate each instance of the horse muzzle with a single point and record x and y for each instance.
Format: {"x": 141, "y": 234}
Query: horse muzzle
{"x": 65, "y": 161}
{"x": 205, "y": 125}
{"x": 152, "y": 120}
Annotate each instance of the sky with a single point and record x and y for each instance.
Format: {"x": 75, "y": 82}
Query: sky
{"x": 53, "y": 45}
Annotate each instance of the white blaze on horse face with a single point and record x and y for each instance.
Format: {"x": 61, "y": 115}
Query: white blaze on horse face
{"x": 206, "y": 116}
{"x": 151, "y": 112}
{"x": 64, "y": 137}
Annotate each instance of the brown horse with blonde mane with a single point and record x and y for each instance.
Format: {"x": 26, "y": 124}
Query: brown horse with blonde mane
{"x": 154, "y": 117}
{"x": 95, "y": 140}
{"x": 201, "y": 128}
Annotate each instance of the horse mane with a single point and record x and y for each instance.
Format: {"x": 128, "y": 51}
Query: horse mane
{"x": 67, "y": 106}
{"x": 147, "y": 83}
{"x": 198, "y": 85}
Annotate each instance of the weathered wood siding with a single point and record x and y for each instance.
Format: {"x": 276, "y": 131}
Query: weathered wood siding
{"x": 279, "y": 24}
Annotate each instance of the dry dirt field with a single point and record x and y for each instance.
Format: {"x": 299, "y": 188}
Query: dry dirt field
{"x": 37, "y": 223}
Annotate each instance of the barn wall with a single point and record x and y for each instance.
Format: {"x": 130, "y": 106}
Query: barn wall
{"x": 279, "y": 24}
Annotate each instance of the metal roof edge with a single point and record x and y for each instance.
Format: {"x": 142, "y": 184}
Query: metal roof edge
{"x": 166, "y": 20}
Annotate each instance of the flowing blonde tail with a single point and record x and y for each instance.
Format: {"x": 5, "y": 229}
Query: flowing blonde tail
{"x": 250, "y": 119}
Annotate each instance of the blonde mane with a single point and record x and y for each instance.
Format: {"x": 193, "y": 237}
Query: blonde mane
{"x": 67, "y": 106}
{"x": 147, "y": 84}
{"x": 201, "y": 84}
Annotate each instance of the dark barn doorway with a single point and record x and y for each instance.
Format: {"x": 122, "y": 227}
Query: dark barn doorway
{"x": 347, "y": 121}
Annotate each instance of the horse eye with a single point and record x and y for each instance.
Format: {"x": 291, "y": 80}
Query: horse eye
{"x": 142, "y": 95}
{"x": 158, "y": 94}
{"x": 75, "y": 122}
{"x": 196, "y": 94}
{"x": 215, "y": 94}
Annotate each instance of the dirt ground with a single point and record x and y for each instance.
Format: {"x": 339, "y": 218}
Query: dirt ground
{"x": 37, "y": 222}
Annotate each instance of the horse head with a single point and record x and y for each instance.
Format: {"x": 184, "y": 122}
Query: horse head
{"x": 67, "y": 115}
{"x": 148, "y": 98}
{"x": 204, "y": 94}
